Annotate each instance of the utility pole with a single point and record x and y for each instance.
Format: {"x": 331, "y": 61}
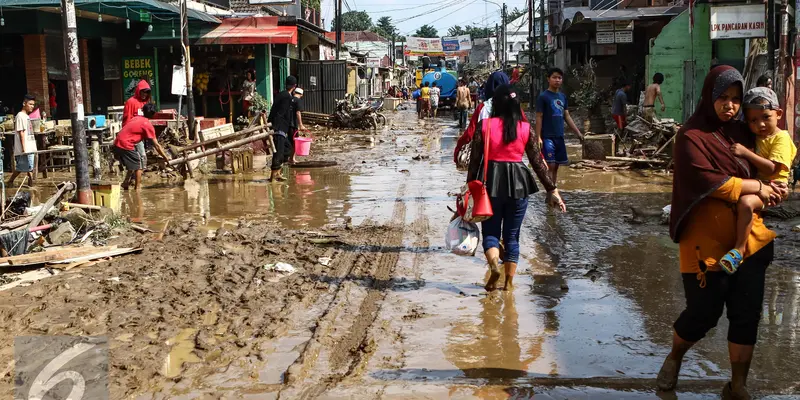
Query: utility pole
{"x": 338, "y": 18}
{"x": 76, "y": 112}
{"x": 187, "y": 66}
{"x": 542, "y": 18}
{"x": 532, "y": 51}
{"x": 497, "y": 43}
{"x": 771, "y": 36}
{"x": 505, "y": 39}
{"x": 796, "y": 82}
{"x": 783, "y": 57}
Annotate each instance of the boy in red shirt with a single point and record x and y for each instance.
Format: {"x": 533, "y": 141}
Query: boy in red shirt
{"x": 133, "y": 107}
{"x": 135, "y": 131}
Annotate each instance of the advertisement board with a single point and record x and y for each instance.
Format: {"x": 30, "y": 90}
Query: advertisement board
{"x": 416, "y": 46}
{"x": 134, "y": 69}
{"x": 737, "y": 22}
{"x": 457, "y": 45}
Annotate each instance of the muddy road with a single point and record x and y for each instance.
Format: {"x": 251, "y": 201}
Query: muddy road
{"x": 377, "y": 308}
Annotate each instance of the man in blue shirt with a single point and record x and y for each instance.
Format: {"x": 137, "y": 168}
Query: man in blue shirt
{"x": 551, "y": 113}
{"x": 619, "y": 109}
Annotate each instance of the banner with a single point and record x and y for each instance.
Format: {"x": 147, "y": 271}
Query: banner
{"x": 457, "y": 45}
{"x": 416, "y": 46}
{"x": 736, "y": 22}
{"x": 436, "y": 47}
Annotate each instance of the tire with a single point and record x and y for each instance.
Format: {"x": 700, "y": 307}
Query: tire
{"x": 381, "y": 120}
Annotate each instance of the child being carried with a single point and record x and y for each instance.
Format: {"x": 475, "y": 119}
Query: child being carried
{"x": 773, "y": 158}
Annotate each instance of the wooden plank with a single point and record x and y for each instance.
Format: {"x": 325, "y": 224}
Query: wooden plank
{"x": 95, "y": 256}
{"x": 631, "y": 159}
{"x": 16, "y": 224}
{"x": 52, "y": 255}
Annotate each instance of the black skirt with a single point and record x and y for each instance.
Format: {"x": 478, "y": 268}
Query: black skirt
{"x": 509, "y": 179}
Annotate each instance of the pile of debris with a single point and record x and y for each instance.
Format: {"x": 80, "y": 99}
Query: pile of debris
{"x": 642, "y": 144}
{"x": 650, "y": 140}
{"x": 37, "y": 242}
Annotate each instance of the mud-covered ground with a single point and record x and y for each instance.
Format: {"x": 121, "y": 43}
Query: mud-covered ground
{"x": 377, "y": 308}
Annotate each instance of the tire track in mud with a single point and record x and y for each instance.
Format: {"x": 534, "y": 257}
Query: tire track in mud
{"x": 340, "y": 342}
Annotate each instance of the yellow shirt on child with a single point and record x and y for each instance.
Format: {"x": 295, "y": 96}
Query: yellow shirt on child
{"x": 779, "y": 149}
{"x": 425, "y": 93}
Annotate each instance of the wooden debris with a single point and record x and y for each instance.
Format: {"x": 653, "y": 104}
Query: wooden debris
{"x": 82, "y": 206}
{"x": 65, "y": 255}
{"x": 632, "y": 159}
{"x": 16, "y": 224}
{"x": 140, "y": 229}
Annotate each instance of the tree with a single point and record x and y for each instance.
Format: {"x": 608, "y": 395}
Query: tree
{"x": 515, "y": 13}
{"x": 478, "y": 33}
{"x": 385, "y": 28}
{"x": 456, "y": 30}
{"x": 354, "y": 21}
{"x": 427, "y": 31}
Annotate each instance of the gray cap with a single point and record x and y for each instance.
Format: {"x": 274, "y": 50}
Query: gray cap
{"x": 761, "y": 98}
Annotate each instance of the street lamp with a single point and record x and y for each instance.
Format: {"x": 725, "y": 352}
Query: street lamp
{"x": 502, "y": 42}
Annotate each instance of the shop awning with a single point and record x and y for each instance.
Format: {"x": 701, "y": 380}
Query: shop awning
{"x": 137, "y": 10}
{"x": 250, "y": 30}
{"x": 626, "y": 14}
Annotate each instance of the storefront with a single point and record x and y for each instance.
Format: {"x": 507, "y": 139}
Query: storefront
{"x": 110, "y": 49}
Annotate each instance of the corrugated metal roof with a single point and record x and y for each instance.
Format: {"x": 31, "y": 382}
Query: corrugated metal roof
{"x": 250, "y": 30}
{"x": 158, "y": 8}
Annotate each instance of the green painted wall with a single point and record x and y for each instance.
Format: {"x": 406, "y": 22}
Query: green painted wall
{"x": 731, "y": 52}
{"x": 671, "y": 48}
{"x": 264, "y": 71}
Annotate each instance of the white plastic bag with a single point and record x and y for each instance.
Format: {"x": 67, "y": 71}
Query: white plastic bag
{"x": 462, "y": 237}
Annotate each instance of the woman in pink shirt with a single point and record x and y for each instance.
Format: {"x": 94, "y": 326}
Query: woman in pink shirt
{"x": 508, "y": 180}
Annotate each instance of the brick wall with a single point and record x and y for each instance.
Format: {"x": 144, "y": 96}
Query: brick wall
{"x": 87, "y": 92}
{"x": 36, "y": 69}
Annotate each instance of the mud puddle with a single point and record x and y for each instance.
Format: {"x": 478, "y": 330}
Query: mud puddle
{"x": 393, "y": 314}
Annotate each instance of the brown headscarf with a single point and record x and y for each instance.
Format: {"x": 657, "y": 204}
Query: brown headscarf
{"x": 702, "y": 157}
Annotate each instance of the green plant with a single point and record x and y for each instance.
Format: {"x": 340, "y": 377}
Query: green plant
{"x": 259, "y": 103}
{"x": 587, "y": 95}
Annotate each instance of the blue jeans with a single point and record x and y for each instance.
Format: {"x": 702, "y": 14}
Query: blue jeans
{"x": 507, "y": 219}
{"x": 462, "y": 118}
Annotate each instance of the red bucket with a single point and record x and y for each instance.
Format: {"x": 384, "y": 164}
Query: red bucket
{"x": 302, "y": 146}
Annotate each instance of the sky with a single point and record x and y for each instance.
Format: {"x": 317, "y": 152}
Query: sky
{"x": 441, "y": 14}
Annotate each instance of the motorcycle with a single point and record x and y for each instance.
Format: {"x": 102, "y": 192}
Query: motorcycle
{"x": 377, "y": 105}
{"x": 362, "y": 117}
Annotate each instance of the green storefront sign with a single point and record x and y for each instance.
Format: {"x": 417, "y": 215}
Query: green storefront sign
{"x": 135, "y": 69}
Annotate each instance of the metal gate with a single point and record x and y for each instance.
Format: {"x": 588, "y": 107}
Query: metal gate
{"x": 323, "y": 82}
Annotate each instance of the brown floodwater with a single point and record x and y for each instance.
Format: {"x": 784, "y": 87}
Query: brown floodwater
{"x": 591, "y": 312}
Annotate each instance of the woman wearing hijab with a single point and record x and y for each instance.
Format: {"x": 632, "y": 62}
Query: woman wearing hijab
{"x": 708, "y": 182}
{"x": 483, "y": 110}
{"x": 509, "y": 181}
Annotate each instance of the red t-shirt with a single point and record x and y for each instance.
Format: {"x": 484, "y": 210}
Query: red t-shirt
{"x": 136, "y": 130}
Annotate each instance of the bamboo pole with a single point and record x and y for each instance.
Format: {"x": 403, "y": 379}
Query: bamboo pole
{"x": 228, "y": 146}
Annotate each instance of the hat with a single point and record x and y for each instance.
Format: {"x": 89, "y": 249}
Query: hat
{"x": 755, "y": 97}
{"x": 298, "y": 91}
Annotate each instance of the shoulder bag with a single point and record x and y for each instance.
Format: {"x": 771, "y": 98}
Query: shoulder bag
{"x": 473, "y": 203}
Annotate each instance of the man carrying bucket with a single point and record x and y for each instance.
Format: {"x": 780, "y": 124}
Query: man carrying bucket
{"x": 282, "y": 118}
{"x": 297, "y": 103}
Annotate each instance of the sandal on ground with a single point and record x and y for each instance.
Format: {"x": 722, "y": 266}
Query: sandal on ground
{"x": 731, "y": 261}
{"x": 729, "y": 394}
{"x": 668, "y": 376}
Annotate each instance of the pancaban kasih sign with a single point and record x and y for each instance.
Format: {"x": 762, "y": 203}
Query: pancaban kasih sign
{"x": 737, "y": 22}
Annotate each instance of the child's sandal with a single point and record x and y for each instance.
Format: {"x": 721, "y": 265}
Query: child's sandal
{"x": 731, "y": 261}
